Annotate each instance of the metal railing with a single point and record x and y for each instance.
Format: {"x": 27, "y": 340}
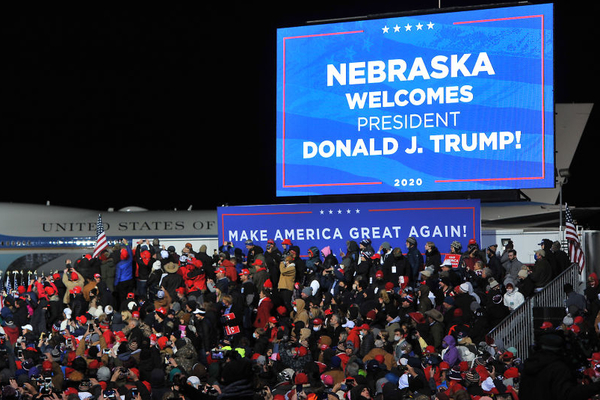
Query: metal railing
{"x": 517, "y": 330}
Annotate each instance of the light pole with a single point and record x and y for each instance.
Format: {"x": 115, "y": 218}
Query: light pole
{"x": 564, "y": 175}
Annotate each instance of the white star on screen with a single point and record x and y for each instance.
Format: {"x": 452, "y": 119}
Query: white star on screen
{"x": 408, "y": 27}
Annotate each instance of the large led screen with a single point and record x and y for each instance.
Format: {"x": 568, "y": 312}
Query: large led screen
{"x": 334, "y": 224}
{"x": 422, "y": 103}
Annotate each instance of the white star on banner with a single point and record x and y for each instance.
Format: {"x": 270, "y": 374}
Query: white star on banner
{"x": 408, "y": 27}
{"x": 339, "y": 211}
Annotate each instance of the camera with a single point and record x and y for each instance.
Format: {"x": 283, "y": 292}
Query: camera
{"x": 45, "y": 390}
{"x": 210, "y": 390}
{"x": 216, "y": 354}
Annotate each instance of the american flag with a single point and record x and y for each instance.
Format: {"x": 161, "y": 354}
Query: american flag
{"x": 101, "y": 243}
{"x": 575, "y": 251}
{"x": 8, "y": 286}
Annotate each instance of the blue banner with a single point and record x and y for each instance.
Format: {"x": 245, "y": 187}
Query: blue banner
{"x": 334, "y": 224}
{"x": 422, "y": 103}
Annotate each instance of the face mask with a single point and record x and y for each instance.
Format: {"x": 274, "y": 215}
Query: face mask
{"x": 509, "y": 291}
{"x": 296, "y": 309}
{"x": 396, "y": 338}
{"x": 316, "y": 328}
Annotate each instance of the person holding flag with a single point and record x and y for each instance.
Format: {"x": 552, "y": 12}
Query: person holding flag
{"x": 102, "y": 255}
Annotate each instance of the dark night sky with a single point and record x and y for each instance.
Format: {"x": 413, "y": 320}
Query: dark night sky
{"x": 170, "y": 107}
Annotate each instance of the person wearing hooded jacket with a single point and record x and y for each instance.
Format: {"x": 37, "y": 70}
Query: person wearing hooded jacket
{"x": 298, "y": 262}
{"x": 351, "y": 258}
{"x": 299, "y": 313}
{"x": 512, "y": 298}
{"x": 449, "y": 352}
{"x": 107, "y": 267}
{"x": 313, "y": 264}
{"x": 424, "y": 302}
{"x": 399, "y": 266}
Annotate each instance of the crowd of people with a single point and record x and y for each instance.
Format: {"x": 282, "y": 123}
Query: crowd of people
{"x": 142, "y": 321}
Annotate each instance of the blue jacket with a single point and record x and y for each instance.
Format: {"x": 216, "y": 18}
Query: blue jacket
{"x": 124, "y": 268}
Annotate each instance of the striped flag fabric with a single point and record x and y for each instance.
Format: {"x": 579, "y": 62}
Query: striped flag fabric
{"x": 8, "y": 286}
{"x": 576, "y": 254}
{"x": 101, "y": 242}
